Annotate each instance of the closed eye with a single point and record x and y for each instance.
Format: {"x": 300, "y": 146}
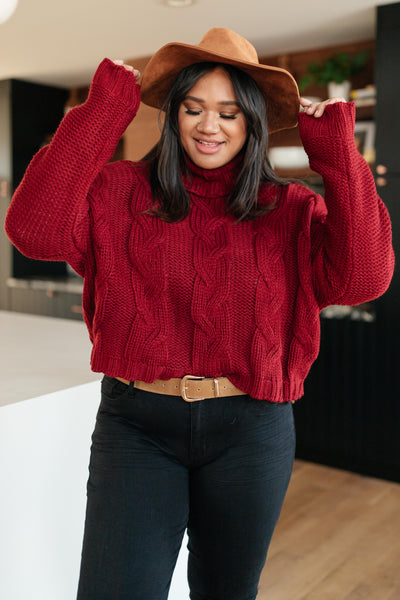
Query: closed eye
{"x": 188, "y": 111}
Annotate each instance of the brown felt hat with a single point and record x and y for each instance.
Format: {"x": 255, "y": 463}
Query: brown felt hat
{"x": 222, "y": 45}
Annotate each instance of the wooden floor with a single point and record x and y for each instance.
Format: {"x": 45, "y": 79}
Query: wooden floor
{"x": 338, "y": 538}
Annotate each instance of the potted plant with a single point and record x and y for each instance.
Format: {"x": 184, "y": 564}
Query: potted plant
{"x": 335, "y": 71}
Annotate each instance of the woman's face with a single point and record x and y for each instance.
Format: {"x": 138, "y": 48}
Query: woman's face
{"x": 212, "y": 126}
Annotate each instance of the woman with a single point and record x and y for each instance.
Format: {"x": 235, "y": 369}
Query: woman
{"x": 204, "y": 277}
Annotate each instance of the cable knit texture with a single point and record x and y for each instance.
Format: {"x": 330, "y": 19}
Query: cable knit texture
{"x": 206, "y": 296}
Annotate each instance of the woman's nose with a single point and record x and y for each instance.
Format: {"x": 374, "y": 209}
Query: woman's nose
{"x": 208, "y": 123}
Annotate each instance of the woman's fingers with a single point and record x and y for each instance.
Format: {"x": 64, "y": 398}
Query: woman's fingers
{"x": 317, "y": 109}
{"x": 120, "y": 63}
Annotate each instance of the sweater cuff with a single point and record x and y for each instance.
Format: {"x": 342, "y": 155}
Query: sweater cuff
{"x": 336, "y": 122}
{"x": 118, "y": 82}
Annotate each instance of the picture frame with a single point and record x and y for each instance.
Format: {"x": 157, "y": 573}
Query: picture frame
{"x": 364, "y": 133}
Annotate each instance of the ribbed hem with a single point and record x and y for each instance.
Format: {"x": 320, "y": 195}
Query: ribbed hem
{"x": 254, "y": 387}
{"x": 118, "y": 82}
{"x": 271, "y": 390}
{"x": 337, "y": 121}
{"x": 121, "y": 367}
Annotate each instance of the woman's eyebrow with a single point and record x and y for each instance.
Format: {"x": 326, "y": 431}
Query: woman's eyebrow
{"x": 222, "y": 102}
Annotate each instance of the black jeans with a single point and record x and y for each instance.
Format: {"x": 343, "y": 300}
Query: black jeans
{"x": 218, "y": 467}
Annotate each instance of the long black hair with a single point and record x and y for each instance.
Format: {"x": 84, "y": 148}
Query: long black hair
{"x": 167, "y": 158}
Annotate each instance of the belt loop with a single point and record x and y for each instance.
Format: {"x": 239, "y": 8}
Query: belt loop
{"x": 216, "y": 388}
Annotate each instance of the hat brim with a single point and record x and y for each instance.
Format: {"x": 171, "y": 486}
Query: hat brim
{"x": 277, "y": 85}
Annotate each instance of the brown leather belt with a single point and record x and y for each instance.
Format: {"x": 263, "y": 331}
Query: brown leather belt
{"x": 190, "y": 387}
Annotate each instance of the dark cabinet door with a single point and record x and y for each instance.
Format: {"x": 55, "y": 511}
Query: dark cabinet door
{"x": 36, "y": 111}
{"x": 388, "y": 87}
{"x": 350, "y": 415}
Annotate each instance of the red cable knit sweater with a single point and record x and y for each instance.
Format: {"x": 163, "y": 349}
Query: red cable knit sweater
{"x": 205, "y": 296}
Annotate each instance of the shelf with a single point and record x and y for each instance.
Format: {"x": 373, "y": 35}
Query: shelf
{"x": 68, "y": 285}
{"x": 365, "y": 113}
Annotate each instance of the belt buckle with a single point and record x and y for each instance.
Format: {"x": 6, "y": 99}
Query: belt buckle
{"x": 183, "y": 388}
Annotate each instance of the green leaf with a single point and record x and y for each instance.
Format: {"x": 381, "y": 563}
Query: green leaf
{"x": 305, "y": 82}
{"x": 337, "y": 68}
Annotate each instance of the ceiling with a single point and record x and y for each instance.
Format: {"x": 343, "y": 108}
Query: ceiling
{"x": 61, "y": 43}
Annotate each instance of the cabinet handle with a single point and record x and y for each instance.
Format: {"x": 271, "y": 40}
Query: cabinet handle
{"x": 76, "y": 309}
{"x": 4, "y": 188}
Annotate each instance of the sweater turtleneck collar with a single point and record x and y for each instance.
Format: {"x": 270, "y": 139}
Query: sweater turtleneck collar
{"x": 212, "y": 183}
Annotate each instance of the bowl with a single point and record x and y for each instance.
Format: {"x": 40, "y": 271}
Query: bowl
{"x": 288, "y": 157}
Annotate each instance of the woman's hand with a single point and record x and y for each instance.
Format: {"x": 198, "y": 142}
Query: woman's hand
{"x": 317, "y": 109}
{"x": 121, "y": 63}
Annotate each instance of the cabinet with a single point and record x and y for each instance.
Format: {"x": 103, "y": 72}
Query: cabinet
{"x": 29, "y": 115}
{"x": 52, "y": 297}
{"x": 296, "y": 64}
{"x": 350, "y": 413}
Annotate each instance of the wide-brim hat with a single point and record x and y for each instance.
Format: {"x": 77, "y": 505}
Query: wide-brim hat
{"x": 221, "y": 45}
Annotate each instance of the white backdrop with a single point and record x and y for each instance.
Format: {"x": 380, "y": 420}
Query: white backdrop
{"x": 44, "y": 456}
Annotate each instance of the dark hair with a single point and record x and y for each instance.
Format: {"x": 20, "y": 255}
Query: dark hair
{"x": 167, "y": 158}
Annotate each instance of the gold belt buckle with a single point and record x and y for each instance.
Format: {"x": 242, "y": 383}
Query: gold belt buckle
{"x": 183, "y": 388}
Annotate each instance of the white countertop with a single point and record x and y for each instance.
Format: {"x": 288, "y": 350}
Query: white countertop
{"x": 48, "y": 404}
{"x": 39, "y": 355}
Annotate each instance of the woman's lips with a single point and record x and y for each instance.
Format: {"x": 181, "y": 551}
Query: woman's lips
{"x": 207, "y": 147}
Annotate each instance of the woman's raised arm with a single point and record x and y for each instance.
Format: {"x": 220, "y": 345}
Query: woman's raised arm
{"x": 352, "y": 244}
{"x": 51, "y": 202}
